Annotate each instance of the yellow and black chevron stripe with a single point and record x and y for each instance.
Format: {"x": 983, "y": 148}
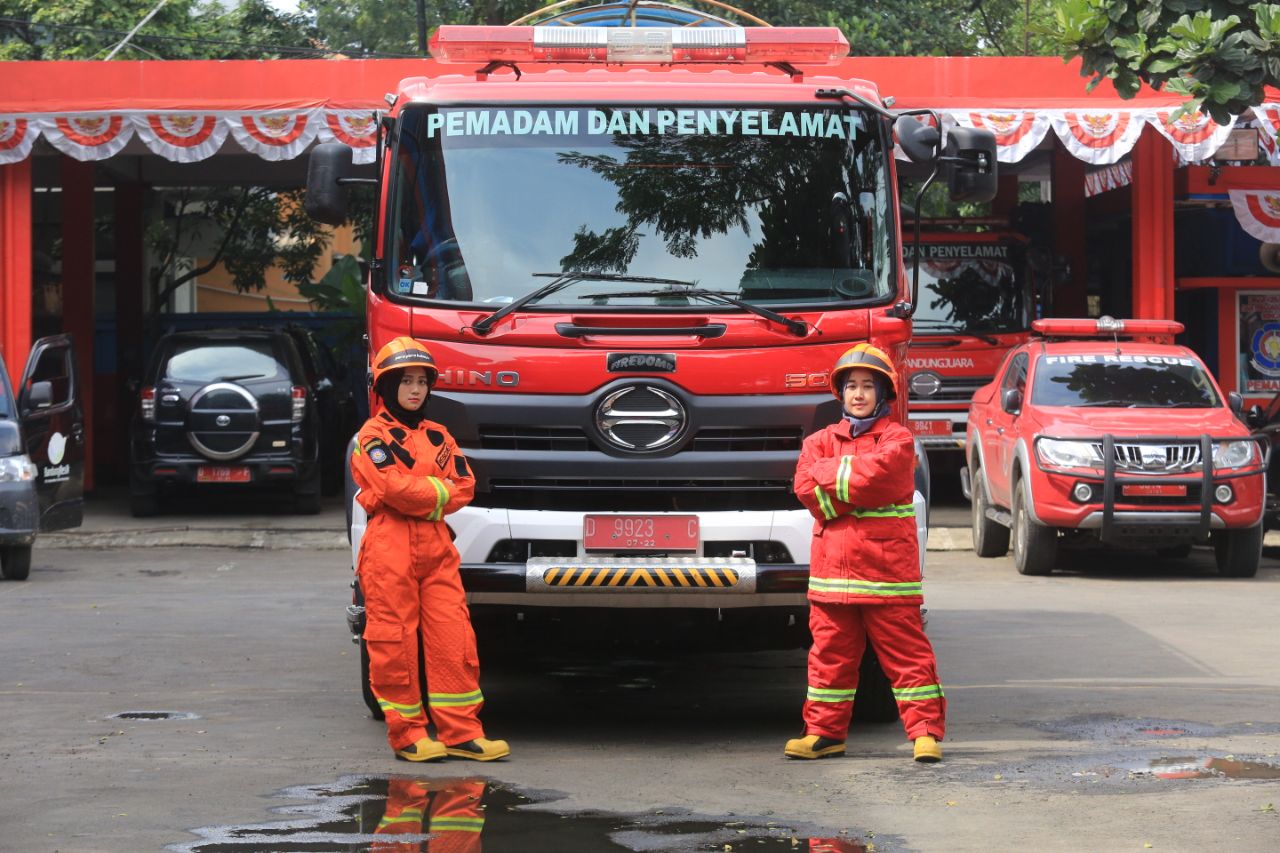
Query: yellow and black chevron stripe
{"x": 637, "y": 576}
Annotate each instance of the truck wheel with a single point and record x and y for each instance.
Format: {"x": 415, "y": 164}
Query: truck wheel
{"x": 875, "y": 702}
{"x": 990, "y": 538}
{"x": 370, "y": 701}
{"x": 1238, "y": 551}
{"x": 15, "y": 562}
{"x": 306, "y": 494}
{"x": 1035, "y": 547}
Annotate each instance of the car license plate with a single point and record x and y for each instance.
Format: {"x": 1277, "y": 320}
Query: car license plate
{"x": 1154, "y": 490}
{"x": 932, "y": 428}
{"x": 223, "y": 474}
{"x": 640, "y": 532}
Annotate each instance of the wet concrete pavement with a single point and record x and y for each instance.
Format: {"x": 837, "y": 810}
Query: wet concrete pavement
{"x": 1117, "y": 704}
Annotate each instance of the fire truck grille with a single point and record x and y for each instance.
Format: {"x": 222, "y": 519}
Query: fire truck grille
{"x": 707, "y": 439}
{"x": 630, "y": 495}
{"x": 1162, "y": 458}
{"x": 955, "y": 389}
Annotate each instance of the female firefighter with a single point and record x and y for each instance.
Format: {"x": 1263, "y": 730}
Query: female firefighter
{"x": 857, "y": 478}
{"x": 411, "y": 475}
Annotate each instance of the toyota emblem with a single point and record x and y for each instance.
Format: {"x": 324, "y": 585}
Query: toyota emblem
{"x": 223, "y": 420}
{"x": 640, "y": 418}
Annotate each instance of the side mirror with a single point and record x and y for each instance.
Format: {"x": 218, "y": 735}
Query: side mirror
{"x": 330, "y": 163}
{"x": 919, "y": 141}
{"x": 40, "y": 396}
{"x": 1236, "y": 402}
{"x": 10, "y": 439}
{"x": 1011, "y": 400}
{"x": 970, "y": 160}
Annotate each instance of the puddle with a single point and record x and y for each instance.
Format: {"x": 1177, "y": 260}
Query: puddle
{"x": 1194, "y": 767}
{"x": 399, "y": 814}
{"x": 154, "y": 715}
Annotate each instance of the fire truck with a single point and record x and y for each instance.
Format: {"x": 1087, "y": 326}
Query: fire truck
{"x": 635, "y": 252}
{"x": 977, "y": 302}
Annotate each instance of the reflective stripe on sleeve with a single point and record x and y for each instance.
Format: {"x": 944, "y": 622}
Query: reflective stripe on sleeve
{"x": 830, "y": 694}
{"x": 454, "y": 700}
{"x": 853, "y": 586}
{"x": 918, "y": 694}
{"x": 442, "y": 498}
{"x": 843, "y": 470}
{"x": 824, "y": 503}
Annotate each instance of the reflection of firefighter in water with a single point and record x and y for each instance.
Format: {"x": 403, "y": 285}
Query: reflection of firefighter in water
{"x": 449, "y": 810}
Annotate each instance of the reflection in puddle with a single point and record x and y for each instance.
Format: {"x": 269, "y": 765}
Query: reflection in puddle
{"x": 398, "y": 814}
{"x": 1192, "y": 767}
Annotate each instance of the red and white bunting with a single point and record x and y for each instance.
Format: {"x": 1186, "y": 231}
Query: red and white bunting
{"x": 181, "y": 137}
{"x": 1267, "y": 119}
{"x": 1194, "y": 135}
{"x": 88, "y": 137}
{"x": 1100, "y": 137}
{"x": 1258, "y": 212}
{"x": 359, "y": 129}
{"x": 275, "y": 136}
{"x": 1108, "y": 178}
{"x": 17, "y": 135}
{"x": 1017, "y": 132}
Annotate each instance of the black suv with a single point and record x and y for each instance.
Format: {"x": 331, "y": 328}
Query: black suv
{"x": 236, "y": 408}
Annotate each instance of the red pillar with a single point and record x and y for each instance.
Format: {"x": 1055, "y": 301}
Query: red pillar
{"x": 1070, "y": 297}
{"x": 1152, "y": 227}
{"x": 78, "y": 286}
{"x": 15, "y": 266}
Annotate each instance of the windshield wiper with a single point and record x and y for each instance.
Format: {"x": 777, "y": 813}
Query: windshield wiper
{"x": 559, "y": 281}
{"x": 796, "y": 327}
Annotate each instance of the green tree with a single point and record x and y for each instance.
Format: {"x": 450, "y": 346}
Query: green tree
{"x": 1219, "y": 53}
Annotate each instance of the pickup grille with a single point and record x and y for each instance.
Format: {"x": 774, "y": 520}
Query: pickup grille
{"x": 1154, "y": 458}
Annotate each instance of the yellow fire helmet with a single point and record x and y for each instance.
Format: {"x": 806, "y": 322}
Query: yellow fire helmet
{"x": 404, "y": 352}
{"x": 867, "y": 356}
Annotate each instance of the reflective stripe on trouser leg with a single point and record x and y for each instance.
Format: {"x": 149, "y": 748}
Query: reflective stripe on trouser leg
{"x": 450, "y": 659}
{"x": 834, "y": 657}
{"x": 457, "y": 818}
{"x": 897, "y": 632}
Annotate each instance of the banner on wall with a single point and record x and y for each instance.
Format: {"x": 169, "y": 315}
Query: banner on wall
{"x": 1259, "y": 342}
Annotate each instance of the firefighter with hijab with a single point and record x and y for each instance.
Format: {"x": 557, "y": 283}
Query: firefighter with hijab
{"x": 857, "y": 478}
{"x": 411, "y": 475}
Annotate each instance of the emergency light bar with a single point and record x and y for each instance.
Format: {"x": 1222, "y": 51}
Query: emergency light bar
{"x": 1105, "y": 327}
{"x": 653, "y": 45}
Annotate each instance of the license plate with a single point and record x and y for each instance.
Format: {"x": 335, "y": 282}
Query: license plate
{"x": 1154, "y": 490}
{"x": 223, "y": 474}
{"x": 933, "y": 429}
{"x": 640, "y": 532}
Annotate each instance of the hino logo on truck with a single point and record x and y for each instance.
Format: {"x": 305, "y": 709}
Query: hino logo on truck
{"x": 501, "y": 378}
{"x": 644, "y": 362}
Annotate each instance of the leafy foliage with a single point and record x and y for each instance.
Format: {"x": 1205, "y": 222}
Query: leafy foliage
{"x": 1220, "y": 53}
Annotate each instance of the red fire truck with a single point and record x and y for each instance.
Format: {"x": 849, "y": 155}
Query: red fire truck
{"x": 977, "y": 301}
{"x": 635, "y": 253}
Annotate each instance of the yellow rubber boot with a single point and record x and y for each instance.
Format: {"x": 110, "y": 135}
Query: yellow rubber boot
{"x": 927, "y": 749}
{"x": 425, "y": 749}
{"x": 480, "y": 749}
{"x": 813, "y": 746}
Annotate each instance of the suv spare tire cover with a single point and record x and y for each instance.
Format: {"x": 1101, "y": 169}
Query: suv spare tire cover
{"x": 223, "y": 421}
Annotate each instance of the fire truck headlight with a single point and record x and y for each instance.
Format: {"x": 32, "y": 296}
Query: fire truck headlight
{"x": 1234, "y": 454}
{"x": 1057, "y": 453}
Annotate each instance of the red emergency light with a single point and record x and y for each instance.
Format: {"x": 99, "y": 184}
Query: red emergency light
{"x": 639, "y": 45}
{"x": 1105, "y": 327}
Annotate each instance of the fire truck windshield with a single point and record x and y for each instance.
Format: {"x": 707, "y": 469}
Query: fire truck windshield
{"x": 777, "y": 206}
{"x": 962, "y": 294}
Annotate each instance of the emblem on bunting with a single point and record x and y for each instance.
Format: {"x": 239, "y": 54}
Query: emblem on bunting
{"x": 1195, "y": 136}
{"x": 181, "y": 137}
{"x": 88, "y": 137}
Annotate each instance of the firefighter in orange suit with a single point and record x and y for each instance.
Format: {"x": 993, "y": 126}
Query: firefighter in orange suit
{"x": 450, "y": 810}
{"x": 857, "y": 479}
{"x": 411, "y": 476}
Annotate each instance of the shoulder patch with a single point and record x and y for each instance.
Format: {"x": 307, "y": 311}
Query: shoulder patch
{"x": 397, "y": 433}
{"x": 435, "y": 436}
{"x": 377, "y": 453}
{"x": 460, "y": 466}
{"x": 442, "y": 457}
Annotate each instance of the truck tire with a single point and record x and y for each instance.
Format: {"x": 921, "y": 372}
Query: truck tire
{"x": 1238, "y": 551}
{"x": 990, "y": 538}
{"x": 875, "y": 702}
{"x": 306, "y": 494}
{"x": 15, "y": 562}
{"x": 1035, "y": 547}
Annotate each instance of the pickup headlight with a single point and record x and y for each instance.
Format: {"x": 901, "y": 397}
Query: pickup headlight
{"x": 15, "y": 469}
{"x": 1234, "y": 454}
{"x": 1057, "y": 453}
